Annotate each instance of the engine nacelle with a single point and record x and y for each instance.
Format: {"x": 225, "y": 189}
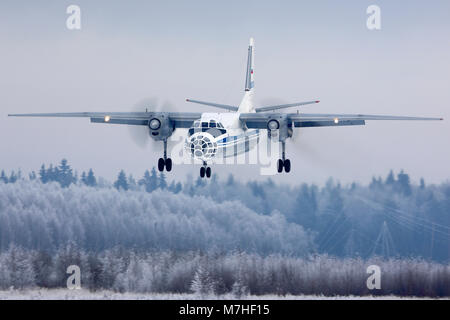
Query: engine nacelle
{"x": 159, "y": 125}
{"x": 278, "y": 127}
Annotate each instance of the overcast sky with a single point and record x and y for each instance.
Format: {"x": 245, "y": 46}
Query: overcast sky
{"x": 129, "y": 51}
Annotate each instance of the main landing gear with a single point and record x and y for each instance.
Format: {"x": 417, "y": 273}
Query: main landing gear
{"x": 283, "y": 162}
{"x": 165, "y": 162}
{"x": 205, "y": 170}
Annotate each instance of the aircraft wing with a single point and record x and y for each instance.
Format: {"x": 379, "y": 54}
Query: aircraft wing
{"x": 181, "y": 119}
{"x": 283, "y": 106}
{"x": 259, "y": 120}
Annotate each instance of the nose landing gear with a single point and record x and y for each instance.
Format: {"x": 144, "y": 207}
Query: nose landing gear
{"x": 205, "y": 170}
{"x": 165, "y": 162}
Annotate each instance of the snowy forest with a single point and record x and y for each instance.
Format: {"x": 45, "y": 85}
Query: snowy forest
{"x": 222, "y": 235}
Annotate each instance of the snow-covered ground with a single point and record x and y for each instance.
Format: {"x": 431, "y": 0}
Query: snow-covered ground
{"x": 64, "y": 294}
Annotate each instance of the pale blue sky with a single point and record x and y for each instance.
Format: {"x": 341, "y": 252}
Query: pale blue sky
{"x": 129, "y": 51}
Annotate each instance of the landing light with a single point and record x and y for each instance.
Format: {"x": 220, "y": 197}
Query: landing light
{"x": 107, "y": 118}
{"x": 336, "y": 120}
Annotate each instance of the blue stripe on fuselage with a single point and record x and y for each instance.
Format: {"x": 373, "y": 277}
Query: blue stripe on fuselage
{"x": 234, "y": 138}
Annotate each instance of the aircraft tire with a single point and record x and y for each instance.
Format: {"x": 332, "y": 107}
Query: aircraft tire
{"x": 208, "y": 172}
{"x": 202, "y": 172}
{"x": 168, "y": 164}
{"x": 280, "y": 166}
{"x": 161, "y": 164}
{"x": 287, "y": 165}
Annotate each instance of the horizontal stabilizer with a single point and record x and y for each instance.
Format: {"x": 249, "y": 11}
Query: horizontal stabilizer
{"x": 283, "y": 106}
{"x": 216, "y": 105}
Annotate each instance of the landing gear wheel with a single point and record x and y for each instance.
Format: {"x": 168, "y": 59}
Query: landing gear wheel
{"x": 280, "y": 166}
{"x": 208, "y": 172}
{"x": 202, "y": 172}
{"x": 168, "y": 163}
{"x": 287, "y": 165}
{"x": 161, "y": 163}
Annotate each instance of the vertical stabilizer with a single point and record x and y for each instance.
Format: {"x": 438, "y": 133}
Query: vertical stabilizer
{"x": 247, "y": 102}
{"x": 249, "y": 81}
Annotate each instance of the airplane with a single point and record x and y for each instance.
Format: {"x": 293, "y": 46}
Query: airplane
{"x": 227, "y": 134}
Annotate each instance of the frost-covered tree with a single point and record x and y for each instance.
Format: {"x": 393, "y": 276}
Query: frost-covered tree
{"x": 121, "y": 182}
{"x": 376, "y": 183}
{"x": 3, "y": 177}
{"x": 422, "y": 183}
{"x": 200, "y": 183}
{"x": 83, "y": 178}
{"x": 43, "y": 267}
{"x": 306, "y": 207}
{"x": 43, "y": 174}
{"x": 64, "y": 174}
{"x": 132, "y": 182}
{"x": 178, "y": 188}
{"x": 32, "y": 176}
{"x": 202, "y": 284}
{"x": 150, "y": 182}
{"x": 404, "y": 183}
{"x": 239, "y": 288}
{"x": 390, "y": 179}
{"x": 162, "y": 181}
{"x": 175, "y": 187}
{"x": 13, "y": 177}
{"x": 19, "y": 268}
{"x": 90, "y": 179}
{"x": 230, "y": 181}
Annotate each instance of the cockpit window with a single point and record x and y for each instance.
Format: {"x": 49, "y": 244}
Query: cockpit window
{"x": 212, "y": 127}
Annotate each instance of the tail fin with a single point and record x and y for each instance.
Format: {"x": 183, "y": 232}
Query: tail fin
{"x": 249, "y": 81}
{"x": 247, "y": 101}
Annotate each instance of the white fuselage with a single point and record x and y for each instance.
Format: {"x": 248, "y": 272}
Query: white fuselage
{"x": 208, "y": 142}
{"x": 223, "y": 134}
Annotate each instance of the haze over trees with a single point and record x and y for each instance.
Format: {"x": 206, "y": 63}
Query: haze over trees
{"x": 390, "y": 217}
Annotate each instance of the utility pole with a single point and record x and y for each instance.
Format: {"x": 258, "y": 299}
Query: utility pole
{"x": 384, "y": 242}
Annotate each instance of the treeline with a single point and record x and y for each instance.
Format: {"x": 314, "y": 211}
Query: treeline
{"x": 390, "y": 217}
{"x": 65, "y": 176}
{"x": 46, "y": 216}
{"x": 213, "y": 273}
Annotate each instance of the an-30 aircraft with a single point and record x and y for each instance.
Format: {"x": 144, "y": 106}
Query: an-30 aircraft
{"x": 230, "y": 133}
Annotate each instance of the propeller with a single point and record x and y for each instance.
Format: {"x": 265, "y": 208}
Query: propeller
{"x": 140, "y": 134}
{"x": 299, "y": 140}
